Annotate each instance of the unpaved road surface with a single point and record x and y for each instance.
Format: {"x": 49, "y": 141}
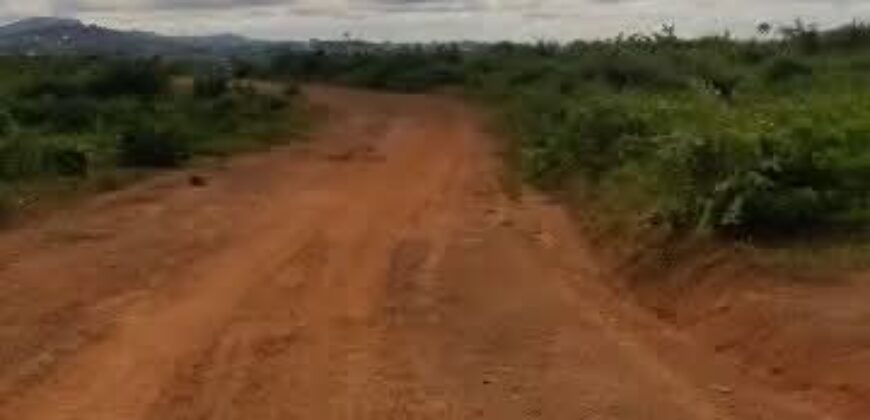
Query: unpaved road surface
{"x": 377, "y": 272}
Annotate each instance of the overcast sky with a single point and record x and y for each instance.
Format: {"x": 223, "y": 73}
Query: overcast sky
{"x": 438, "y": 19}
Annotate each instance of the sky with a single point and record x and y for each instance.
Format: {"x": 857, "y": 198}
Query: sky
{"x": 422, "y": 20}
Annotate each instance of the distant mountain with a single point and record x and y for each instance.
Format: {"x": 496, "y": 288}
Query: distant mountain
{"x": 53, "y": 36}
{"x": 37, "y": 24}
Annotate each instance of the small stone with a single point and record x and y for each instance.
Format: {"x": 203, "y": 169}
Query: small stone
{"x": 722, "y": 389}
{"x": 197, "y": 181}
{"x": 722, "y": 307}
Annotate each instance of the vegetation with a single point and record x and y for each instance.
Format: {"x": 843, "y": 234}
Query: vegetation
{"x": 749, "y": 138}
{"x": 77, "y": 121}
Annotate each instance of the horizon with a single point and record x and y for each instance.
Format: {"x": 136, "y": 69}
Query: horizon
{"x": 438, "y": 20}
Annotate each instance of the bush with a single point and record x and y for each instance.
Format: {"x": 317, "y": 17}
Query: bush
{"x": 210, "y": 85}
{"x": 710, "y": 167}
{"x": 8, "y": 125}
{"x": 145, "y": 78}
{"x": 784, "y": 69}
{"x": 851, "y": 36}
{"x": 718, "y": 75}
{"x": 58, "y": 87}
{"x": 65, "y": 115}
{"x": 805, "y": 38}
{"x": 29, "y": 157}
{"x": 275, "y": 103}
{"x": 627, "y": 69}
{"x": 291, "y": 89}
{"x": 792, "y": 180}
{"x": 627, "y": 112}
{"x": 66, "y": 161}
{"x": 147, "y": 147}
{"x": 7, "y": 207}
{"x": 80, "y": 117}
{"x": 592, "y": 138}
{"x": 21, "y": 157}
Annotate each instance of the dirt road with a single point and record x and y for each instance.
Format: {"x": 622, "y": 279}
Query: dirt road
{"x": 377, "y": 272}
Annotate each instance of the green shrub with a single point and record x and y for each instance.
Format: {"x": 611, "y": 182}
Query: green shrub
{"x": 57, "y": 87}
{"x": 786, "y": 150}
{"x": 851, "y": 36}
{"x": 148, "y": 147}
{"x": 719, "y": 76}
{"x": 792, "y": 180}
{"x": 66, "y": 160}
{"x": 275, "y": 103}
{"x": 146, "y": 78}
{"x": 211, "y": 85}
{"x": 68, "y": 115}
{"x": 7, "y": 207}
{"x": 591, "y": 138}
{"x": 8, "y": 125}
{"x": 21, "y": 157}
{"x": 711, "y": 168}
{"x": 784, "y": 69}
{"x": 806, "y": 38}
{"x": 87, "y": 118}
{"x": 627, "y": 69}
{"x": 291, "y": 89}
{"x": 30, "y": 157}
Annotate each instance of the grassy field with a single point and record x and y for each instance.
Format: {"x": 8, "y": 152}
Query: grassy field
{"x": 69, "y": 125}
{"x": 764, "y": 139}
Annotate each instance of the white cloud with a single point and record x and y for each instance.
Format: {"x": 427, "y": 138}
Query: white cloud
{"x": 440, "y": 19}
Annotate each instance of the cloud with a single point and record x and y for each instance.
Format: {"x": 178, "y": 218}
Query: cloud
{"x": 440, "y": 19}
{"x": 156, "y": 5}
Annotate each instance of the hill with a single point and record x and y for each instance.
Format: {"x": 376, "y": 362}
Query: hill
{"x": 55, "y": 36}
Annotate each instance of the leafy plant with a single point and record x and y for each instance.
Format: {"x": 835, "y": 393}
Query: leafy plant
{"x": 783, "y": 69}
{"x": 211, "y": 85}
{"x": 148, "y": 147}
